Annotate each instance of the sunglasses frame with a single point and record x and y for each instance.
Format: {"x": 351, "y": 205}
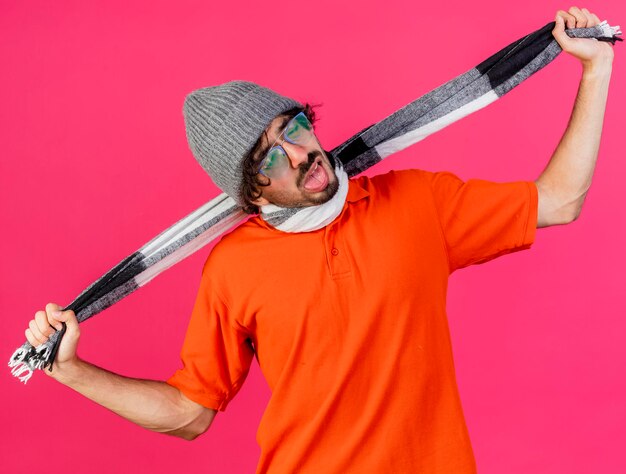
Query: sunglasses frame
{"x": 265, "y": 158}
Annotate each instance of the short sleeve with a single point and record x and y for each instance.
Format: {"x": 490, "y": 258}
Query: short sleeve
{"x": 482, "y": 220}
{"x": 216, "y": 355}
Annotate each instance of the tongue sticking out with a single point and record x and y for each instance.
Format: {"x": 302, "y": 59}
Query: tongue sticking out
{"x": 317, "y": 180}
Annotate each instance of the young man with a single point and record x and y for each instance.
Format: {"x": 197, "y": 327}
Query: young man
{"x": 345, "y": 309}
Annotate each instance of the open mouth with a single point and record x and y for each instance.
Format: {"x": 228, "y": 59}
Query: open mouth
{"x": 316, "y": 178}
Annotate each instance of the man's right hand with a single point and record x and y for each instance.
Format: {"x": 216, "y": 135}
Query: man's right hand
{"x": 44, "y": 325}
{"x": 153, "y": 404}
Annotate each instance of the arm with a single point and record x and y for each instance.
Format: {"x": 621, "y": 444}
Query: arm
{"x": 152, "y": 404}
{"x": 564, "y": 183}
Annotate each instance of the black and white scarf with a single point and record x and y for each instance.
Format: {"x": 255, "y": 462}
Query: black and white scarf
{"x": 435, "y": 110}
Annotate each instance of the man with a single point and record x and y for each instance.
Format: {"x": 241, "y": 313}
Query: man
{"x": 345, "y": 311}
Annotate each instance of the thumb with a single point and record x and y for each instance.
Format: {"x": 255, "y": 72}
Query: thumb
{"x": 67, "y": 348}
{"x": 68, "y": 317}
{"x": 559, "y": 32}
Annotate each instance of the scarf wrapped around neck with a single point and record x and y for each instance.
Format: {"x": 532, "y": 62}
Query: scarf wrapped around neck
{"x": 433, "y": 111}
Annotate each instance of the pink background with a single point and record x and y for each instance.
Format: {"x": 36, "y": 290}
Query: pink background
{"x": 95, "y": 163}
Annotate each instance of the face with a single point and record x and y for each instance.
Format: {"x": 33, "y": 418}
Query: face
{"x": 310, "y": 178}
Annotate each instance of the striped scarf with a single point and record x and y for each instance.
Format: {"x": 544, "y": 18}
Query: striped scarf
{"x": 435, "y": 110}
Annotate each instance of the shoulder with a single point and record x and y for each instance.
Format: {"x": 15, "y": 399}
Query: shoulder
{"x": 233, "y": 247}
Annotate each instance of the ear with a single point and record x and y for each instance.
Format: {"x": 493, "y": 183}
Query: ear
{"x": 261, "y": 201}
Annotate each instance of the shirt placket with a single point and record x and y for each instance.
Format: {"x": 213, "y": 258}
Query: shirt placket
{"x": 336, "y": 252}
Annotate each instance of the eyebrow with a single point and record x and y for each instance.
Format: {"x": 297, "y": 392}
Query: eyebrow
{"x": 282, "y": 125}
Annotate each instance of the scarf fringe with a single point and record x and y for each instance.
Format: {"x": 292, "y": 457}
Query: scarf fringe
{"x": 26, "y": 359}
{"x": 610, "y": 31}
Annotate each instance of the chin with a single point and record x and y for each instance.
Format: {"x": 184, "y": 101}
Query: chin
{"x": 327, "y": 194}
{"x": 303, "y": 198}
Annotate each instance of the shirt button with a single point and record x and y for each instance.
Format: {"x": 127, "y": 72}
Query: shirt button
{"x": 335, "y": 252}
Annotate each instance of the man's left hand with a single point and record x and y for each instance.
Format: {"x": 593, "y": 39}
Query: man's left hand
{"x": 589, "y": 51}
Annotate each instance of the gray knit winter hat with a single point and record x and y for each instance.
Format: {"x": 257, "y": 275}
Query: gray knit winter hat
{"x": 224, "y": 122}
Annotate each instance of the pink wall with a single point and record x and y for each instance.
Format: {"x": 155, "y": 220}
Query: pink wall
{"x": 95, "y": 162}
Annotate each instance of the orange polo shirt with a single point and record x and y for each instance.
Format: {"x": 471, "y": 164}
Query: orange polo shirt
{"x": 348, "y": 323}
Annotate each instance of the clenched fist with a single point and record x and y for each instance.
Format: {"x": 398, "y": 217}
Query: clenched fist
{"x": 590, "y": 52}
{"x": 44, "y": 325}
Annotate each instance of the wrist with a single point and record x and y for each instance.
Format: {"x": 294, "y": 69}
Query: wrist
{"x": 601, "y": 66}
{"x": 65, "y": 372}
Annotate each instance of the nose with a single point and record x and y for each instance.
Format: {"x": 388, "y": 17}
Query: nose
{"x": 297, "y": 154}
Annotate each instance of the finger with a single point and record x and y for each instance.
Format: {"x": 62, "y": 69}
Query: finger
{"x": 42, "y": 323}
{"x": 581, "y": 19}
{"x": 72, "y": 335}
{"x": 68, "y": 317}
{"x": 51, "y": 309}
{"x": 31, "y": 339}
{"x": 592, "y": 20}
{"x": 37, "y": 334}
{"x": 570, "y": 20}
{"x": 596, "y": 19}
{"x": 563, "y": 16}
{"x": 559, "y": 30}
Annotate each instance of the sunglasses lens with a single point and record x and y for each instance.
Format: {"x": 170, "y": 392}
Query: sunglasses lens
{"x": 275, "y": 163}
{"x": 299, "y": 130}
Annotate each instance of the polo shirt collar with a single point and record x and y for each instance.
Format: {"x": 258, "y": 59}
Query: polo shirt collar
{"x": 356, "y": 191}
